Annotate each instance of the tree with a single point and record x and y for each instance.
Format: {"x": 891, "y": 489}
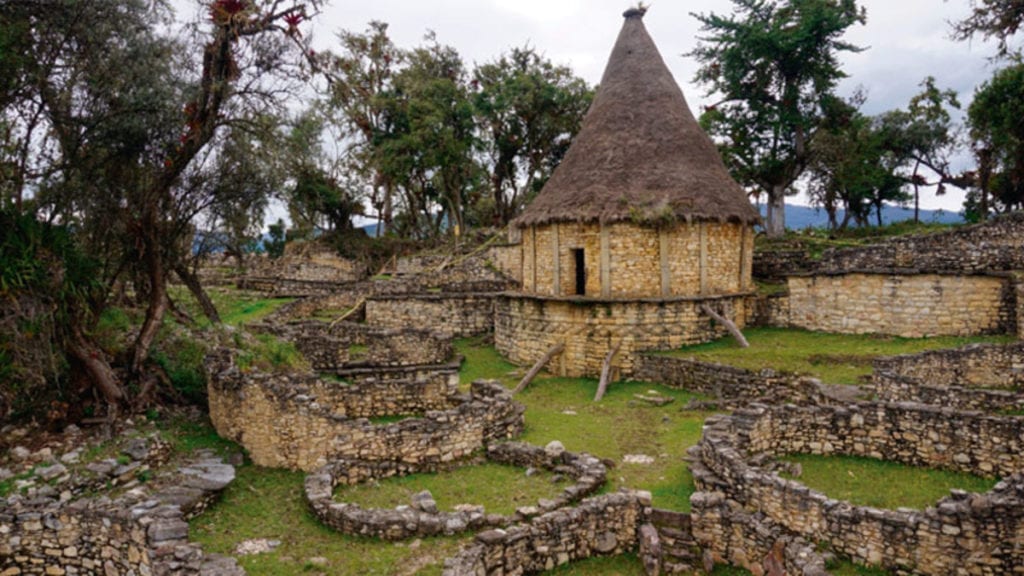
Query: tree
{"x": 528, "y": 110}
{"x": 931, "y": 138}
{"x": 996, "y": 120}
{"x": 999, "y": 19}
{"x": 118, "y": 129}
{"x": 360, "y": 77}
{"x": 774, "y": 63}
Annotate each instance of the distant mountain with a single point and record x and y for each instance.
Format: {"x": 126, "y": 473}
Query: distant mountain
{"x": 800, "y": 217}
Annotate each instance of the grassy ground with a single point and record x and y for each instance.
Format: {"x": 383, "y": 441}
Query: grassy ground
{"x": 498, "y": 488}
{"x": 234, "y": 306}
{"x": 833, "y": 358}
{"x": 889, "y": 485}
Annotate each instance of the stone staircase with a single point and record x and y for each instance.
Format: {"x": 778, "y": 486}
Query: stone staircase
{"x": 667, "y": 545}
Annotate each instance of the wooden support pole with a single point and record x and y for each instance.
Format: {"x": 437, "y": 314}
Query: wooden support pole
{"x": 740, "y": 339}
{"x": 606, "y": 372}
{"x": 556, "y": 349}
{"x": 355, "y": 310}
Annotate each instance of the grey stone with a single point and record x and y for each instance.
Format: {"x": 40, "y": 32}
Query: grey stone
{"x": 136, "y": 448}
{"x": 52, "y": 472}
{"x": 554, "y": 449}
{"x": 20, "y": 453}
{"x": 211, "y": 477}
{"x": 167, "y": 530}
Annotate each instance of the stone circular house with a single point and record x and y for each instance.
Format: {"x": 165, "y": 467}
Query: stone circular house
{"x": 638, "y": 228}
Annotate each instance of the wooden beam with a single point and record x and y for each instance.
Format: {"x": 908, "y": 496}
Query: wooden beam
{"x": 556, "y": 266}
{"x": 606, "y": 372}
{"x": 735, "y": 331}
{"x": 666, "y": 273}
{"x": 703, "y": 232}
{"x": 556, "y": 349}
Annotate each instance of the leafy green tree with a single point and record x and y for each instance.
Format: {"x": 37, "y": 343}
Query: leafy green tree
{"x": 528, "y": 110}
{"x": 774, "y": 64}
{"x": 360, "y": 76}
{"x": 996, "y": 120}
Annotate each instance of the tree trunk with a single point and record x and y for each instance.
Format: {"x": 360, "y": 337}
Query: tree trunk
{"x": 191, "y": 281}
{"x": 776, "y": 224}
{"x": 96, "y": 366}
{"x": 556, "y": 349}
{"x": 153, "y": 257}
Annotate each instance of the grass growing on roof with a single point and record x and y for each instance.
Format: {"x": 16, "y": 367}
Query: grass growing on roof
{"x": 500, "y": 489}
{"x": 833, "y": 358}
{"x": 880, "y": 484}
{"x": 563, "y": 409}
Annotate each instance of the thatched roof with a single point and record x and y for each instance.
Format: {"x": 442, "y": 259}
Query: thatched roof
{"x": 640, "y": 155}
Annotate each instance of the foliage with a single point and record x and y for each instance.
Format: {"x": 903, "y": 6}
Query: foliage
{"x": 775, "y": 65}
{"x": 276, "y": 242}
{"x": 832, "y": 358}
{"x": 269, "y": 354}
{"x": 996, "y": 119}
{"x": 999, "y": 19}
{"x": 527, "y": 111}
{"x": 856, "y": 480}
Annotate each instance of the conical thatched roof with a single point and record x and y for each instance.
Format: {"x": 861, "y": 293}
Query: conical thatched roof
{"x": 640, "y": 155}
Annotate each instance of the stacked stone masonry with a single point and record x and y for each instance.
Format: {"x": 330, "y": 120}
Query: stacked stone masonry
{"x": 450, "y": 314}
{"x": 334, "y": 347}
{"x": 989, "y": 378}
{"x": 305, "y": 422}
{"x": 631, "y": 261}
{"x": 527, "y": 327}
{"x": 422, "y": 518}
{"x": 601, "y": 526}
{"x": 912, "y": 306}
{"x": 963, "y": 533}
{"x": 144, "y": 532}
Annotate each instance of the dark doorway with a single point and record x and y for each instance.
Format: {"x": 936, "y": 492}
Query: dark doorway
{"x": 581, "y": 271}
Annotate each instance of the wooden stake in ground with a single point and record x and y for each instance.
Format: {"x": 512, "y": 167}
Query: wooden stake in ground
{"x": 740, "y": 339}
{"x": 359, "y": 305}
{"x": 606, "y": 373}
{"x": 556, "y": 349}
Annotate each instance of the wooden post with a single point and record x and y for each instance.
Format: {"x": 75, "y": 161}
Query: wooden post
{"x": 606, "y": 373}
{"x": 740, "y": 339}
{"x": 666, "y": 273}
{"x": 606, "y": 262}
{"x": 537, "y": 368}
{"x": 355, "y": 309}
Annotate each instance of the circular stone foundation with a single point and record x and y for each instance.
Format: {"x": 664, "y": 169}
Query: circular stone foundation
{"x": 422, "y": 518}
{"x": 963, "y": 533}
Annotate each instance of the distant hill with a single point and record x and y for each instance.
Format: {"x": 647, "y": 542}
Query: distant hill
{"x": 800, "y": 217}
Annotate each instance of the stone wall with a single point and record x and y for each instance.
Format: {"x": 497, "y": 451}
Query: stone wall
{"x": 977, "y": 377}
{"x": 602, "y": 526}
{"x": 304, "y": 422}
{"x": 144, "y": 531}
{"x": 308, "y": 262}
{"x": 527, "y": 327}
{"x": 629, "y": 261}
{"x": 449, "y": 314}
{"x": 901, "y": 305}
{"x": 422, "y": 519}
{"x": 963, "y": 533}
{"x": 994, "y": 246}
{"x": 728, "y": 386}
{"x": 508, "y": 258}
{"x": 334, "y": 347}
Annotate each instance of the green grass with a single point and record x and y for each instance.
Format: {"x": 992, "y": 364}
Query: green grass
{"x": 266, "y": 503}
{"x": 613, "y": 428}
{"x": 887, "y": 485}
{"x": 269, "y": 353}
{"x": 816, "y": 240}
{"x": 833, "y": 358}
{"x": 847, "y": 568}
{"x": 625, "y": 565}
{"x": 498, "y": 488}
{"x": 235, "y": 307}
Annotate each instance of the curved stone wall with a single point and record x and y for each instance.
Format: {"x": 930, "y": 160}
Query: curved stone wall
{"x": 977, "y": 377}
{"x": 142, "y": 532}
{"x": 304, "y": 422}
{"x": 452, "y": 314}
{"x": 422, "y": 519}
{"x": 602, "y": 526}
{"x": 630, "y": 261}
{"x": 526, "y": 327}
{"x": 963, "y": 533}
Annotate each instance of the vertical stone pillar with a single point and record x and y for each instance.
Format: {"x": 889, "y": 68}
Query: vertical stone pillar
{"x": 606, "y": 262}
{"x": 666, "y": 276}
{"x": 556, "y": 267}
{"x": 1018, "y": 281}
{"x": 703, "y": 231}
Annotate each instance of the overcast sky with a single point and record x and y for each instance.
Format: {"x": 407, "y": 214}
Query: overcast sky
{"x": 905, "y": 40}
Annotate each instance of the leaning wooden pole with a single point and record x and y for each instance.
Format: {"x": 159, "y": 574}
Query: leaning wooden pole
{"x": 728, "y": 324}
{"x": 556, "y": 349}
{"x": 606, "y": 373}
